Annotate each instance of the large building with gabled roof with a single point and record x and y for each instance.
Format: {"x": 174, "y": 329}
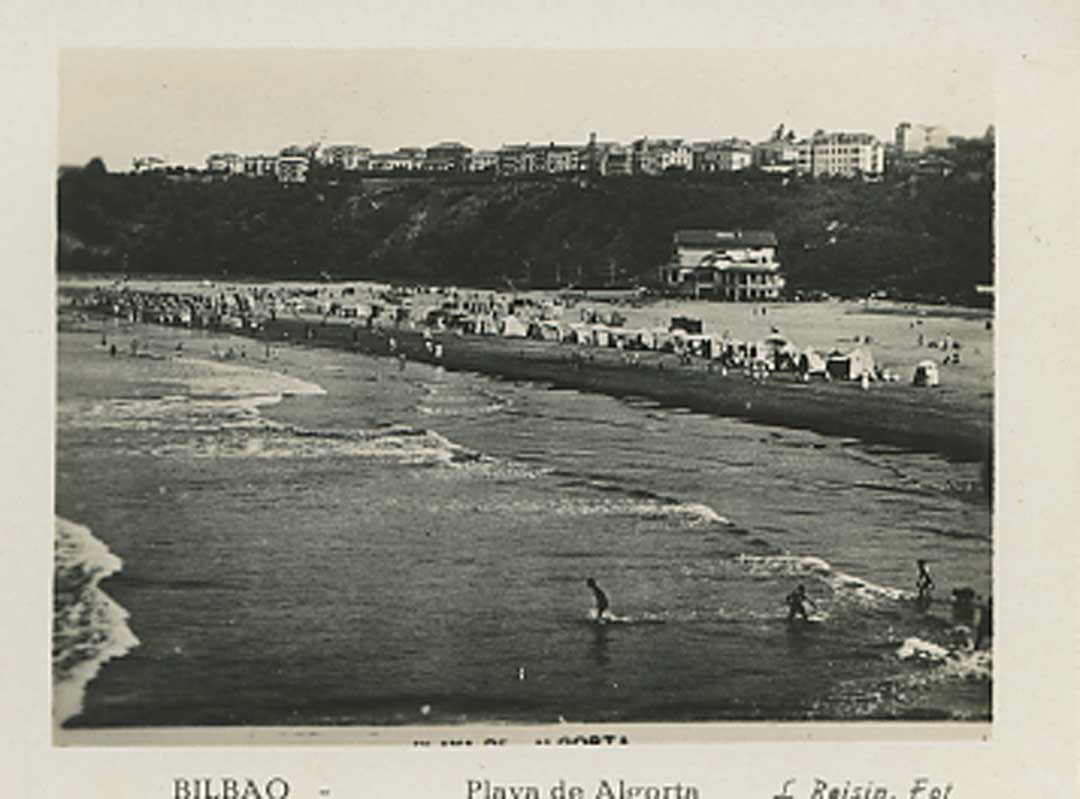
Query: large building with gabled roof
{"x": 731, "y": 265}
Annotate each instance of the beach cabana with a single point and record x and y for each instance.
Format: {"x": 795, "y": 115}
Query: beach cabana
{"x": 601, "y": 336}
{"x": 512, "y": 327}
{"x": 926, "y": 375}
{"x": 545, "y": 330}
{"x": 811, "y": 362}
{"x": 851, "y": 365}
{"x": 701, "y": 345}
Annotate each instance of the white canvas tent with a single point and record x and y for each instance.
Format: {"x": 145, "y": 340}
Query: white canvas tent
{"x": 811, "y": 362}
{"x": 851, "y": 365}
{"x": 512, "y": 327}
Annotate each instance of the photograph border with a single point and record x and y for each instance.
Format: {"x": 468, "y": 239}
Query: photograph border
{"x": 1034, "y": 509}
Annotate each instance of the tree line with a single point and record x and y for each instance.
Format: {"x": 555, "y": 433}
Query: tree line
{"x": 916, "y": 237}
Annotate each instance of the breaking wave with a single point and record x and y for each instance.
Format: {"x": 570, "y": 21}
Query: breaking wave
{"x": 233, "y": 427}
{"x": 89, "y": 627}
{"x": 685, "y": 515}
{"x": 844, "y": 586}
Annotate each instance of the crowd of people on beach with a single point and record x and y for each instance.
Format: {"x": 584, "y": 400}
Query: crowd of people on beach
{"x": 550, "y": 318}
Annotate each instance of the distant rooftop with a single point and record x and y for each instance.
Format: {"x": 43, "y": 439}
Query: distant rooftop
{"x": 844, "y": 137}
{"x": 728, "y": 238}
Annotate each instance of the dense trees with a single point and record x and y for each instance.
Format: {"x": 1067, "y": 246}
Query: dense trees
{"x": 919, "y": 237}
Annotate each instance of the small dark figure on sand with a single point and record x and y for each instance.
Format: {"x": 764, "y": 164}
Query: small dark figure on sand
{"x": 924, "y": 583}
{"x": 601, "y": 599}
{"x": 964, "y": 606}
{"x": 986, "y": 624}
{"x": 797, "y": 601}
{"x": 112, "y": 350}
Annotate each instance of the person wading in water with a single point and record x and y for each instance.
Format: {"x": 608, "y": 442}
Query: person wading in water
{"x": 601, "y": 600}
{"x": 924, "y": 583}
{"x": 796, "y": 602}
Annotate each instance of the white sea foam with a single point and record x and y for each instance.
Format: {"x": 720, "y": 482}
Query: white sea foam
{"x": 844, "y": 586}
{"x": 951, "y": 663}
{"x": 917, "y": 649}
{"x": 270, "y": 440}
{"x": 220, "y": 417}
{"x": 230, "y": 379}
{"x": 696, "y": 513}
{"x": 688, "y": 515}
{"x": 89, "y": 627}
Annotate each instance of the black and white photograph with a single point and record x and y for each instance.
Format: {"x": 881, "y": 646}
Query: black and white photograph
{"x": 436, "y": 388}
{"x": 539, "y": 400}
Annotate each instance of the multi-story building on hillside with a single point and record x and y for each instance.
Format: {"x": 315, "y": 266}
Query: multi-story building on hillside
{"x": 841, "y": 154}
{"x": 482, "y": 161}
{"x": 447, "y": 156}
{"x": 529, "y": 159}
{"x": 514, "y": 159}
{"x": 732, "y": 265}
{"x": 617, "y": 159}
{"x": 258, "y": 166}
{"x": 350, "y": 157}
{"x": 293, "y": 168}
{"x": 225, "y": 164}
{"x": 605, "y": 158}
{"x": 403, "y": 159}
{"x": 562, "y": 158}
{"x": 728, "y": 155}
{"x": 656, "y": 156}
{"x": 779, "y": 156}
{"x": 920, "y": 138}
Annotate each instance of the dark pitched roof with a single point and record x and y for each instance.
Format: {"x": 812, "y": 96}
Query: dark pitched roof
{"x": 726, "y": 238}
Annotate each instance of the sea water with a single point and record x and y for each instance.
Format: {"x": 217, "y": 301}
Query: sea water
{"x": 321, "y": 537}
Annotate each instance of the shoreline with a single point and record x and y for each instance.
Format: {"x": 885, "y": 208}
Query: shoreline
{"x": 528, "y": 356}
{"x": 888, "y": 414}
{"x": 957, "y": 425}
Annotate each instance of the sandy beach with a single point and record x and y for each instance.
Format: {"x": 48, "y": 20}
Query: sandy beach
{"x": 955, "y": 420}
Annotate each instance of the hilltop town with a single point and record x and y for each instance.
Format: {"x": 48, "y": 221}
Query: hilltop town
{"x": 916, "y": 148}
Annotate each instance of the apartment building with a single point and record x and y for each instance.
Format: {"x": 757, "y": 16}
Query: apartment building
{"x": 482, "y": 161}
{"x": 448, "y": 156}
{"x": 293, "y": 168}
{"x": 258, "y": 166}
{"x": 563, "y": 158}
{"x": 616, "y": 159}
{"x": 403, "y": 159}
{"x": 225, "y": 163}
{"x": 514, "y": 159}
{"x": 841, "y": 154}
{"x": 728, "y": 155}
{"x": 656, "y": 156}
{"x": 920, "y": 138}
{"x": 779, "y": 156}
{"x": 350, "y": 157}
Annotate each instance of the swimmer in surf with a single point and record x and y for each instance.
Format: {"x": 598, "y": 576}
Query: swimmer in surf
{"x": 601, "y": 599}
{"x": 796, "y": 602}
{"x": 924, "y": 583}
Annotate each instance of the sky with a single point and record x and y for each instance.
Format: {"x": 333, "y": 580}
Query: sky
{"x": 185, "y": 104}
